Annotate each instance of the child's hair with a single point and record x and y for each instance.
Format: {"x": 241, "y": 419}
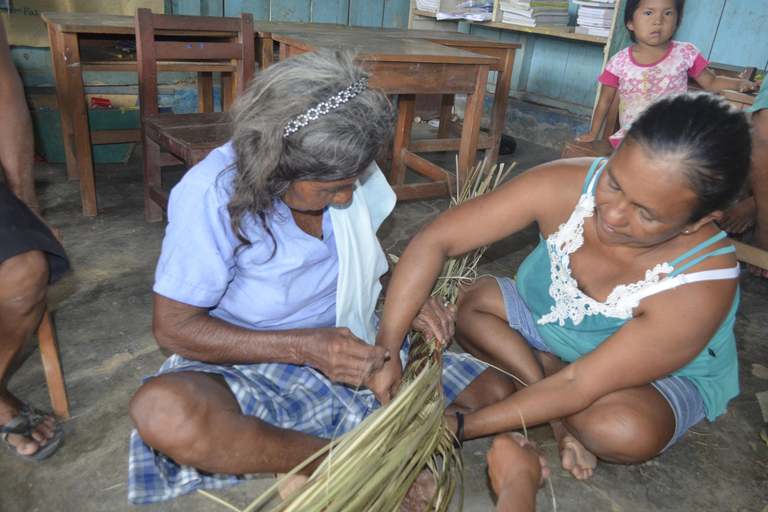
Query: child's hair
{"x": 710, "y": 138}
{"x": 334, "y": 146}
{"x": 632, "y": 5}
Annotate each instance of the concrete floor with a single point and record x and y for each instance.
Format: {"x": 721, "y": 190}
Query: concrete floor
{"x": 102, "y": 314}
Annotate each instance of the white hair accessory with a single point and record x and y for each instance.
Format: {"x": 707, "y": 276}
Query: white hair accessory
{"x": 326, "y": 106}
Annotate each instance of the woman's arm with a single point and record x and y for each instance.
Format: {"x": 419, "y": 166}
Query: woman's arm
{"x": 538, "y": 195}
{"x": 193, "y": 333}
{"x": 671, "y": 329}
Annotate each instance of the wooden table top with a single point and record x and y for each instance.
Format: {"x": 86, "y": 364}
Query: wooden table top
{"x": 381, "y": 48}
{"x": 387, "y": 44}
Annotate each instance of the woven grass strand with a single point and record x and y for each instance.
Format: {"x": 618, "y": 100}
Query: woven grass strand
{"x": 373, "y": 466}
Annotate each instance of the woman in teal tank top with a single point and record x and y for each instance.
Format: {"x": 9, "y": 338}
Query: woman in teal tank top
{"x": 620, "y": 324}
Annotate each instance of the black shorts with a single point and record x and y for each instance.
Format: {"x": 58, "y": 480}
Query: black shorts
{"x": 22, "y": 231}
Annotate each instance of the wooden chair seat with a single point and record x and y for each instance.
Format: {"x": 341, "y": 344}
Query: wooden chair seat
{"x": 202, "y": 44}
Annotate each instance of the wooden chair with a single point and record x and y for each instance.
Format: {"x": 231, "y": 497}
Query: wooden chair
{"x": 53, "y": 374}
{"x": 187, "y": 43}
{"x": 598, "y": 147}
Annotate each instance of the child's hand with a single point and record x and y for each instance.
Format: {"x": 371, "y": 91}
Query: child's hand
{"x": 586, "y": 137}
{"x": 747, "y": 86}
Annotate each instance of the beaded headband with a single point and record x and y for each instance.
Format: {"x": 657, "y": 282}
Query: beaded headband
{"x": 326, "y": 106}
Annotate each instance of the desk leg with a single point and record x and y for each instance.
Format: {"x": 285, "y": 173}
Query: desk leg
{"x": 472, "y": 117}
{"x": 80, "y": 128}
{"x": 499, "y": 111}
{"x": 402, "y": 137}
{"x": 205, "y": 91}
{"x": 446, "y": 109}
{"x": 63, "y": 97}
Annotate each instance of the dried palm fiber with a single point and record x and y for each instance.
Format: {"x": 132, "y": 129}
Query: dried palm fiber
{"x": 373, "y": 466}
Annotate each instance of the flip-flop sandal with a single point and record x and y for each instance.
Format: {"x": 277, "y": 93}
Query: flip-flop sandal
{"x": 31, "y": 417}
{"x": 764, "y": 433}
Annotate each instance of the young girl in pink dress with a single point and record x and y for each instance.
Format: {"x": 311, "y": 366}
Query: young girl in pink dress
{"x": 654, "y": 67}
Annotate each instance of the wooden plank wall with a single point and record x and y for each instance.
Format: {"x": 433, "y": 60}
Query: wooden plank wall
{"x": 369, "y": 13}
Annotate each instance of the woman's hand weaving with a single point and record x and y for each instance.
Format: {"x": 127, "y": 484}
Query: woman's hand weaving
{"x": 343, "y": 357}
{"x": 436, "y": 318}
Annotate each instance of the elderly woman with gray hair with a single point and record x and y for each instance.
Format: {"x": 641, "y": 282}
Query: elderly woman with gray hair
{"x": 266, "y": 287}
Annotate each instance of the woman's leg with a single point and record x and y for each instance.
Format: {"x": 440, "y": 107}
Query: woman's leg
{"x": 483, "y": 330}
{"x": 23, "y": 288}
{"x": 759, "y": 182}
{"x": 194, "y": 418}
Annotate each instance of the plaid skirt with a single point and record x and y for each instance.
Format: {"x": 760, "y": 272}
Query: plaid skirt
{"x": 288, "y": 396}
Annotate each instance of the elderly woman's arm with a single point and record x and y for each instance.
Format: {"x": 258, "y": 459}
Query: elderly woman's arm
{"x": 193, "y": 333}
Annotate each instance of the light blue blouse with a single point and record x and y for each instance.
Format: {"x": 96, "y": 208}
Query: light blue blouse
{"x": 252, "y": 288}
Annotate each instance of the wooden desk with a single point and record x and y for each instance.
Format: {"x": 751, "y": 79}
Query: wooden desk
{"x": 406, "y": 67}
{"x": 505, "y": 53}
{"x": 400, "y": 65}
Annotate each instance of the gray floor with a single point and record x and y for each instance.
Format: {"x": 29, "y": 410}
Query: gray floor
{"x": 102, "y": 315}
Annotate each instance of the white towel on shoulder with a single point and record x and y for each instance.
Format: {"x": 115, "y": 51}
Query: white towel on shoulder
{"x": 361, "y": 259}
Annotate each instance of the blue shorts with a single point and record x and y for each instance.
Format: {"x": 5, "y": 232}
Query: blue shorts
{"x": 288, "y": 396}
{"x": 681, "y": 394}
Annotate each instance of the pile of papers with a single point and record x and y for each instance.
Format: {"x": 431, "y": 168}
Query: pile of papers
{"x": 595, "y": 17}
{"x": 427, "y": 5}
{"x": 470, "y": 10}
{"x": 535, "y": 13}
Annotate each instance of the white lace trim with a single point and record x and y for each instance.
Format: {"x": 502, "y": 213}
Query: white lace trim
{"x": 570, "y": 302}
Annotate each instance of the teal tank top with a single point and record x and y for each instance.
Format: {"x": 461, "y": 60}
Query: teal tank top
{"x": 714, "y": 371}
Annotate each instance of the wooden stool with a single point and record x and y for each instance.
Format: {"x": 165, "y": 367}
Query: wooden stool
{"x": 52, "y": 365}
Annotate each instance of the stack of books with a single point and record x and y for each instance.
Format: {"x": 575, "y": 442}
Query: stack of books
{"x": 595, "y": 17}
{"x": 534, "y": 13}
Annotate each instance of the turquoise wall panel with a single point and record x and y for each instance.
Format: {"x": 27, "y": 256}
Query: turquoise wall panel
{"x": 548, "y": 67}
{"x": 330, "y": 11}
{"x": 291, "y": 10}
{"x": 582, "y": 68}
{"x": 742, "y": 37}
{"x": 259, "y": 8}
{"x": 396, "y": 13}
{"x": 212, "y": 7}
{"x": 699, "y": 24}
{"x": 367, "y": 13}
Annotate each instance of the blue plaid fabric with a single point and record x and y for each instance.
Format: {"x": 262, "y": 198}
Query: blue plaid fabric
{"x": 294, "y": 397}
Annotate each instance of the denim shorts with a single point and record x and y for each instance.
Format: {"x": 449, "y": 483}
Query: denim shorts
{"x": 681, "y": 394}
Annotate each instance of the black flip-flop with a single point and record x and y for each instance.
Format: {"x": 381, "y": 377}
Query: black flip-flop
{"x": 30, "y": 418}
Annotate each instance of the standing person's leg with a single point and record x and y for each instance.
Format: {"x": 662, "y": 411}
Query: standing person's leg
{"x": 759, "y": 183}
{"x": 23, "y": 287}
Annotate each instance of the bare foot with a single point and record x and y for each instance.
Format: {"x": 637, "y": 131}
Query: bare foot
{"x": 573, "y": 456}
{"x": 286, "y": 488}
{"x": 420, "y": 493}
{"x": 739, "y": 217}
{"x": 9, "y": 409}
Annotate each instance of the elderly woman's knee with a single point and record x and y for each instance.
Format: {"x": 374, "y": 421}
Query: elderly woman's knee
{"x": 617, "y": 434}
{"x": 24, "y": 281}
{"x": 165, "y": 413}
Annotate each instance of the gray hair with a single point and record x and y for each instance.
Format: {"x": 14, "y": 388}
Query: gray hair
{"x": 336, "y": 146}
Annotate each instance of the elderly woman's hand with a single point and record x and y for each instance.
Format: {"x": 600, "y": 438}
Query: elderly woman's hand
{"x": 343, "y": 357}
{"x": 436, "y": 318}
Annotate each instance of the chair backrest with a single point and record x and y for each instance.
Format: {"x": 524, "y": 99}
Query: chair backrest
{"x": 168, "y": 42}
